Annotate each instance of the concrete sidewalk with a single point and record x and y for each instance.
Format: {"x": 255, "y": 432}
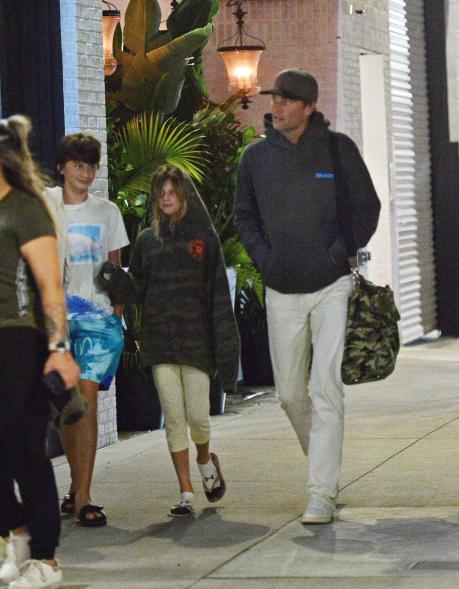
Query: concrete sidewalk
{"x": 397, "y": 525}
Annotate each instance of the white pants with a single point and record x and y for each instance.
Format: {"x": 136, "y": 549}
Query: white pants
{"x": 184, "y": 396}
{"x": 295, "y": 321}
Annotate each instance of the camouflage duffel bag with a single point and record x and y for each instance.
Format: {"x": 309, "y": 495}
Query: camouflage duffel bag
{"x": 372, "y": 340}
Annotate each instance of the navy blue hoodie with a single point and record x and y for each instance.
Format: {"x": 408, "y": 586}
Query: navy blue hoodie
{"x": 286, "y": 213}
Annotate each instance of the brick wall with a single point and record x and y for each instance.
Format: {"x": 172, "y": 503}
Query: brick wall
{"x": 84, "y": 110}
{"x": 84, "y": 89}
{"x": 297, "y": 34}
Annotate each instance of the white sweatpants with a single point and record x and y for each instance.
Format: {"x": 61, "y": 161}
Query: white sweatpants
{"x": 295, "y": 321}
{"x": 184, "y": 396}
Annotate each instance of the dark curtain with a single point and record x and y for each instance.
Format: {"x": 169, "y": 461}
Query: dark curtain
{"x": 445, "y": 171}
{"x": 31, "y": 70}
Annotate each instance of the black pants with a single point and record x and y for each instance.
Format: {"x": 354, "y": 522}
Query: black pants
{"x": 24, "y": 414}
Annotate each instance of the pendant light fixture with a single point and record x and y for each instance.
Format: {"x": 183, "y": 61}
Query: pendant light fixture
{"x": 241, "y": 57}
{"x": 110, "y": 18}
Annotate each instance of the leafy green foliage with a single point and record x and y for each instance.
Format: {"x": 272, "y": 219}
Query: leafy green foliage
{"x": 134, "y": 152}
{"x": 132, "y": 317}
{"x": 142, "y": 19}
{"x": 247, "y": 275}
{"x": 149, "y": 141}
{"x": 155, "y": 65}
{"x": 225, "y": 139}
{"x": 190, "y": 15}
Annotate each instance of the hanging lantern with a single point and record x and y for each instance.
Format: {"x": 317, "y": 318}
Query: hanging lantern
{"x": 110, "y": 18}
{"x": 241, "y": 59}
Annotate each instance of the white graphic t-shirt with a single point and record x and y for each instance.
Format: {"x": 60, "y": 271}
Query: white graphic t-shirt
{"x": 94, "y": 228}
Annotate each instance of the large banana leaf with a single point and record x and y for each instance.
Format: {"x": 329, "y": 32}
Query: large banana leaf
{"x": 152, "y": 71}
{"x": 165, "y": 57}
{"x": 117, "y": 43}
{"x": 189, "y": 15}
{"x": 169, "y": 89}
{"x": 161, "y": 38}
{"x": 149, "y": 141}
{"x": 214, "y": 9}
{"x": 142, "y": 20}
{"x": 154, "y": 80}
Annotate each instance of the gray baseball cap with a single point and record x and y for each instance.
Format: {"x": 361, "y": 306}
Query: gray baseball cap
{"x": 296, "y": 85}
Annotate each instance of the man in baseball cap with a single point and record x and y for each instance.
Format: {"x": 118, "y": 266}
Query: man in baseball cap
{"x": 295, "y": 85}
{"x": 288, "y": 220}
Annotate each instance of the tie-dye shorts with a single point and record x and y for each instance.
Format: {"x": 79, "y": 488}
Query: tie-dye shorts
{"x": 96, "y": 345}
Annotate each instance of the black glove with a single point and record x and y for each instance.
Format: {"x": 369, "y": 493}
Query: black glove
{"x": 106, "y": 271}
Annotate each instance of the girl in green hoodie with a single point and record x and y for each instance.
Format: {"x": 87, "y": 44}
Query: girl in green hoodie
{"x": 188, "y": 330}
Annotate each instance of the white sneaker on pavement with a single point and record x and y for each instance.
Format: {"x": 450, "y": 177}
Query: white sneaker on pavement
{"x": 320, "y": 510}
{"x": 17, "y": 552}
{"x": 35, "y": 574}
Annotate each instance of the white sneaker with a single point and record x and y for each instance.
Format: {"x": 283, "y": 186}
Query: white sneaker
{"x": 320, "y": 510}
{"x": 17, "y": 552}
{"x": 35, "y": 574}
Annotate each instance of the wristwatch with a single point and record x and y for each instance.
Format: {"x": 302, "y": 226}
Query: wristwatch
{"x": 60, "y": 347}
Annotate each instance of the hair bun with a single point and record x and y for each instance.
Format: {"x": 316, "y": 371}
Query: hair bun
{"x": 19, "y": 127}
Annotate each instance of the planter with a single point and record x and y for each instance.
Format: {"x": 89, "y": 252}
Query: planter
{"x": 253, "y": 328}
{"x": 137, "y": 401}
{"x": 217, "y": 397}
{"x": 216, "y": 393}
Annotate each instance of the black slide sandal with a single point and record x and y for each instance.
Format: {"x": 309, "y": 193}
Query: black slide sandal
{"x": 68, "y": 504}
{"x": 92, "y": 522}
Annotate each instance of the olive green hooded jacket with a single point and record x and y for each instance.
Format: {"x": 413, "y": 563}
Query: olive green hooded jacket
{"x": 180, "y": 281}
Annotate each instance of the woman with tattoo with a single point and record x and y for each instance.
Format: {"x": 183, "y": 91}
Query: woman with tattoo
{"x": 33, "y": 342}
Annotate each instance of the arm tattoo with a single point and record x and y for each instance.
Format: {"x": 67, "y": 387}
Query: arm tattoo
{"x": 55, "y": 321}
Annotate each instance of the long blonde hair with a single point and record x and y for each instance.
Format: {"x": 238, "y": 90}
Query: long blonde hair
{"x": 16, "y": 161}
{"x": 179, "y": 182}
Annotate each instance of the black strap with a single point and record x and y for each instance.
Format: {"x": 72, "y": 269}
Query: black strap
{"x": 343, "y": 208}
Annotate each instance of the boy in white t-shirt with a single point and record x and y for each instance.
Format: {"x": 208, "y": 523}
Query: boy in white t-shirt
{"x": 93, "y": 232}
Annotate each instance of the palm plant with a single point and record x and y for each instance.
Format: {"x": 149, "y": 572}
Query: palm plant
{"x": 148, "y": 141}
{"x": 145, "y": 142}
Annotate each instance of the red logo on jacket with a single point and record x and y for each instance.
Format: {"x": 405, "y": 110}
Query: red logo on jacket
{"x": 196, "y": 248}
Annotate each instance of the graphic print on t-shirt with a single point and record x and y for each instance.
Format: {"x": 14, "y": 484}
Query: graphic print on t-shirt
{"x": 85, "y": 244}
{"x": 80, "y": 308}
{"x": 85, "y": 256}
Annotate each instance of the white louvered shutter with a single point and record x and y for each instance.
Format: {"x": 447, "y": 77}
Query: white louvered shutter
{"x": 411, "y": 179}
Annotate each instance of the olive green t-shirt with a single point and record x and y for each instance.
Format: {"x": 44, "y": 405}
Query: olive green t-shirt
{"x": 23, "y": 218}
